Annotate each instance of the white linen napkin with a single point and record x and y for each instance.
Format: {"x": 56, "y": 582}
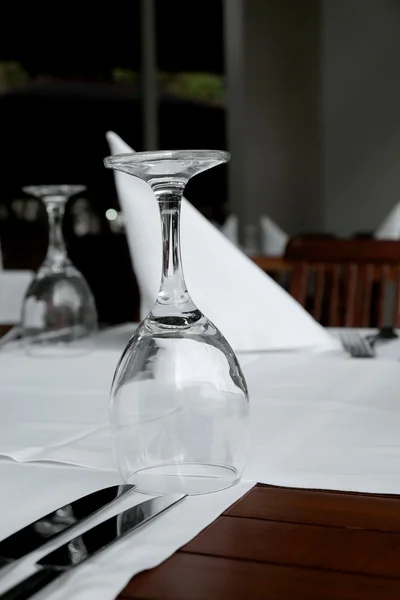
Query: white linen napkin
{"x": 48, "y": 405}
{"x": 230, "y": 229}
{"x": 251, "y": 310}
{"x": 13, "y": 285}
{"x": 322, "y": 420}
{"x": 389, "y": 229}
{"x": 51, "y": 408}
{"x": 273, "y": 238}
{"x": 315, "y": 422}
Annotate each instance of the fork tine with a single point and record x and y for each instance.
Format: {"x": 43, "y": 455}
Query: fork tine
{"x": 357, "y": 346}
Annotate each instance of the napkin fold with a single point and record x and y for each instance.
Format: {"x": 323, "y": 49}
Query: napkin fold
{"x": 389, "y": 229}
{"x": 251, "y": 310}
{"x": 273, "y": 238}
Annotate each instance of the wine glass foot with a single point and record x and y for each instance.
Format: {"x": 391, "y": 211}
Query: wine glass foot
{"x": 183, "y": 478}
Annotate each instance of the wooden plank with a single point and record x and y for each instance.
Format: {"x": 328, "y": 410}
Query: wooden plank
{"x": 343, "y": 250}
{"x": 299, "y": 283}
{"x": 396, "y": 304}
{"x": 361, "y": 511}
{"x": 272, "y": 264}
{"x": 365, "y": 294}
{"x": 312, "y": 546}
{"x": 382, "y": 289}
{"x": 351, "y": 276}
{"x": 319, "y": 291}
{"x": 192, "y": 577}
{"x": 334, "y": 319}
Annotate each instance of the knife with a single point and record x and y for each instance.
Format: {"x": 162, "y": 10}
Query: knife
{"x": 47, "y": 528}
{"x": 92, "y": 542}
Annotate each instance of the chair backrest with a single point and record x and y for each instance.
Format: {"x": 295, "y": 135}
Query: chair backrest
{"x": 349, "y": 280}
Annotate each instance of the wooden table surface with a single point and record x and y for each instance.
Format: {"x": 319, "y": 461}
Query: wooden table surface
{"x": 286, "y": 544}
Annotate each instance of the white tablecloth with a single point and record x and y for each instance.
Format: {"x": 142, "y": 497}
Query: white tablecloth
{"x": 317, "y": 421}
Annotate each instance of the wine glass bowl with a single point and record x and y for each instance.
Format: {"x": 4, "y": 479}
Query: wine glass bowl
{"x": 179, "y": 401}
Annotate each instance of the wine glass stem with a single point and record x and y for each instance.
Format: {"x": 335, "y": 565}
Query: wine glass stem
{"x": 173, "y": 291}
{"x": 56, "y": 251}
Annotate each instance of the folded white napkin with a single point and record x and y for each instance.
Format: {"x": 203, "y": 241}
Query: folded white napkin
{"x": 389, "y": 229}
{"x": 251, "y": 310}
{"x": 273, "y": 238}
{"x": 230, "y": 229}
{"x": 13, "y": 285}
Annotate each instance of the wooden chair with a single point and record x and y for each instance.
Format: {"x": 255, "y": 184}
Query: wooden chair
{"x": 350, "y": 280}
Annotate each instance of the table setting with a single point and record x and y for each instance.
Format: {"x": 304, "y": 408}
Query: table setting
{"x": 188, "y": 409}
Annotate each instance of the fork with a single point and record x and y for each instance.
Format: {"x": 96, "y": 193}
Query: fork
{"x": 356, "y": 345}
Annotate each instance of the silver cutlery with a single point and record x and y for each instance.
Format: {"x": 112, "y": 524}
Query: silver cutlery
{"x": 356, "y": 345}
{"x": 85, "y": 546}
{"x": 48, "y": 528}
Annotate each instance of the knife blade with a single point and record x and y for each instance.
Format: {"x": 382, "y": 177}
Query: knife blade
{"x": 85, "y": 546}
{"x": 47, "y": 528}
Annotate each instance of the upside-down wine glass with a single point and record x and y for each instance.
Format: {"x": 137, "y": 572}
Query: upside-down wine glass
{"x": 179, "y": 402}
{"x": 59, "y": 313}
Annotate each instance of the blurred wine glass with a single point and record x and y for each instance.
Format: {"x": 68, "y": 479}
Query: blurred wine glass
{"x": 59, "y": 313}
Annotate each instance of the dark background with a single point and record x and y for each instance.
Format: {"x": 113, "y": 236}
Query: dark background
{"x": 52, "y": 127}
